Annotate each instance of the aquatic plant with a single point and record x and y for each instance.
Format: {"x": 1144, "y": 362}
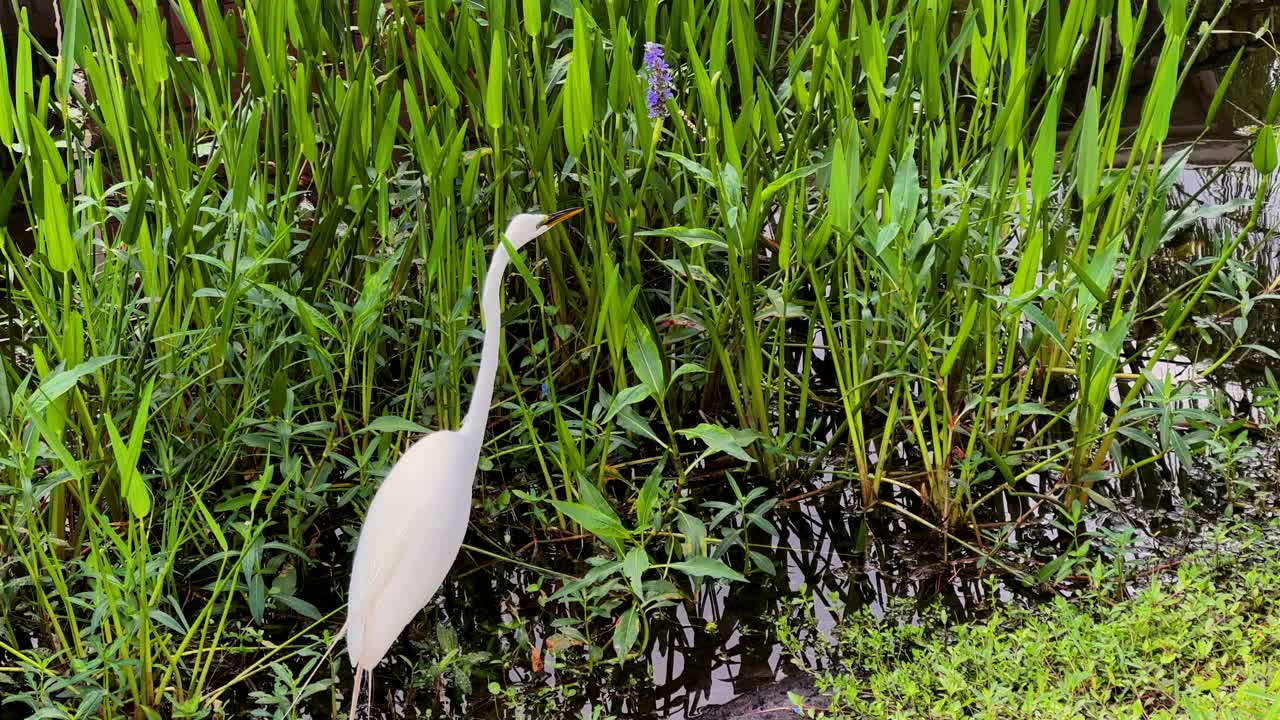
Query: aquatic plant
{"x": 887, "y": 249}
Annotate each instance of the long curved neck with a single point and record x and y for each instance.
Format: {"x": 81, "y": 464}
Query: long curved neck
{"x": 491, "y": 316}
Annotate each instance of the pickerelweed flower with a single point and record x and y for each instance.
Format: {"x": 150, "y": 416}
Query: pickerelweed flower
{"x": 655, "y": 63}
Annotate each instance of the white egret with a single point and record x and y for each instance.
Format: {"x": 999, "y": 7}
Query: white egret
{"x": 418, "y": 518}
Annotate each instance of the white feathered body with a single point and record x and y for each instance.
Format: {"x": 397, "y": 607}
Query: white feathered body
{"x": 410, "y": 538}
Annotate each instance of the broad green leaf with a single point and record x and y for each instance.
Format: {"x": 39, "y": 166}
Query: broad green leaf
{"x": 646, "y": 500}
{"x": 8, "y": 109}
{"x": 645, "y": 360}
{"x": 298, "y": 605}
{"x": 1044, "y": 324}
{"x": 658, "y": 591}
{"x": 134, "y": 491}
{"x": 694, "y": 531}
{"x": 697, "y": 169}
{"x": 634, "y": 566}
{"x": 632, "y": 422}
{"x": 532, "y": 17}
{"x": 495, "y": 108}
{"x": 693, "y": 237}
{"x": 594, "y": 499}
{"x": 579, "y": 113}
{"x": 786, "y": 179}
{"x": 717, "y": 439}
{"x": 57, "y": 384}
{"x": 1264, "y": 151}
{"x": 593, "y": 577}
{"x": 1111, "y": 341}
{"x": 1088, "y": 166}
{"x": 624, "y": 399}
{"x": 625, "y": 634}
{"x": 210, "y": 523}
{"x": 962, "y": 336}
{"x": 54, "y": 230}
{"x": 387, "y": 136}
{"x": 685, "y": 369}
{"x": 1221, "y": 93}
{"x": 1046, "y": 150}
{"x": 701, "y": 566}
{"x": 391, "y": 423}
{"x": 594, "y": 522}
{"x": 840, "y": 193}
{"x": 425, "y": 46}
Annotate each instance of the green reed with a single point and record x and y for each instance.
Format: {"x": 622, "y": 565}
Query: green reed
{"x": 856, "y": 234}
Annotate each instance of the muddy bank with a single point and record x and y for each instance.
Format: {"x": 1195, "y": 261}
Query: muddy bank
{"x": 769, "y": 702}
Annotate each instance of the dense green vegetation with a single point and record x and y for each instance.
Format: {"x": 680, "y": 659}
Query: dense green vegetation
{"x": 853, "y": 239}
{"x": 1201, "y": 640}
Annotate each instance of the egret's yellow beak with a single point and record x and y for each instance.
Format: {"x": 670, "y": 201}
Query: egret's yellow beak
{"x": 559, "y": 216}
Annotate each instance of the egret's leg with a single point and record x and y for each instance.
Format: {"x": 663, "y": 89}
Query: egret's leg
{"x": 355, "y": 694}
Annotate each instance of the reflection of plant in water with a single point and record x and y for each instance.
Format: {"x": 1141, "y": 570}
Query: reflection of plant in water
{"x": 445, "y": 665}
{"x": 748, "y": 513}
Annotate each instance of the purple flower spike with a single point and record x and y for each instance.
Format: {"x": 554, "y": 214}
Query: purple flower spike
{"x": 655, "y": 63}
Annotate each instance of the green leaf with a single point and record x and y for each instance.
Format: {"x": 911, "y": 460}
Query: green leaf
{"x": 495, "y": 111}
{"x": 697, "y": 169}
{"x": 593, "y": 577}
{"x": 1046, "y": 150}
{"x": 694, "y": 531}
{"x": 645, "y": 360}
{"x": 657, "y": 591}
{"x": 594, "y": 499}
{"x": 718, "y": 439}
{"x": 387, "y": 136}
{"x": 1044, "y": 324}
{"x": 633, "y": 567}
{"x": 392, "y": 423}
{"x": 962, "y": 336}
{"x": 693, "y": 237}
{"x": 57, "y": 384}
{"x": 628, "y": 397}
{"x": 134, "y": 491}
{"x": 593, "y": 521}
{"x": 701, "y": 566}
{"x": 786, "y": 179}
{"x": 632, "y": 422}
{"x": 648, "y": 498}
{"x": 1264, "y": 151}
{"x": 54, "y": 229}
{"x": 1111, "y": 341}
{"x": 1087, "y": 161}
{"x": 300, "y": 606}
{"x": 210, "y": 523}
{"x": 763, "y": 563}
{"x": 625, "y": 634}
{"x": 532, "y": 17}
{"x": 1221, "y": 93}
{"x": 425, "y": 45}
{"x": 578, "y": 110}
{"x": 686, "y": 369}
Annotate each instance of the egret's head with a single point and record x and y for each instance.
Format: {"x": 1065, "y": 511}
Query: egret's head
{"x": 527, "y": 226}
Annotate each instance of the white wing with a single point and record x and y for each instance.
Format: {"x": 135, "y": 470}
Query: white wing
{"x": 409, "y": 540}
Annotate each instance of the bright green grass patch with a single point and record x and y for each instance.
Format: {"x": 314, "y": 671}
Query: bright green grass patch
{"x": 1201, "y": 643}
